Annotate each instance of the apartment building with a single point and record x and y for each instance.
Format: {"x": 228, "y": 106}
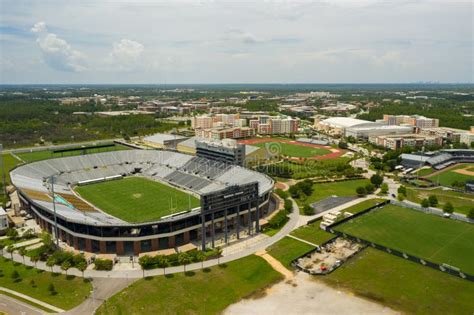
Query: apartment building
{"x": 414, "y": 120}
{"x": 395, "y": 142}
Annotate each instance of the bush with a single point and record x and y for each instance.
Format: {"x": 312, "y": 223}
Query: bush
{"x": 384, "y": 188}
{"x": 281, "y": 193}
{"x": 448, "y": 208}
{"x": 308, "y": 210}
{"x": 288, "y": 206}
{"x": 370, "y": 188}
{"x": 361, "y": 191}
{"x": 377, "y": 180}
{"x": 470, "y": 214}
{"x": 278, "y": 220}
{"x": 425, "y": 203}
{"x": 103, "y": 264}
{"x": 402, "y": 190}
{"x": 433, "y": 200}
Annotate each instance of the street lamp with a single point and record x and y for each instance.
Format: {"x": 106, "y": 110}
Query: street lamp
{"x": 51, "y": 187}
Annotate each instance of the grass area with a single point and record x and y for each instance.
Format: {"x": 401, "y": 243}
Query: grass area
{"x": 137, "y": 199}
{"x": 361, "y": 206}
{"x": 403, "y": 285}
{"x": 71, "y": 291}
{"x": 312, "y": 233}
{"x": 293, "y": 150}
{"x": 48, "y": 154}
{"x": 201, "y": 292}
{"x": 16, "y": 297}
{"x": 461, "y": 202}
{"x": 287, "y": 249}
{"x": 425, "y": 171}
{"x": 427, "y": 236}
{"x": 340, "y": 189}
{"x": 447, "y": 177}
{"x": 9, "y": 162}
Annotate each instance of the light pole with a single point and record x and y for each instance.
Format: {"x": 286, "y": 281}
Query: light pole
{"x": 3, "y": 170}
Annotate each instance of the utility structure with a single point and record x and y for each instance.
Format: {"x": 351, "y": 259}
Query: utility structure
{"x": 230, "y": 202}
{"x": 53, "y": 196}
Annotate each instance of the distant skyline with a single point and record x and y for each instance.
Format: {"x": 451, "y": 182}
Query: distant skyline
{"x": 185, "y": 42}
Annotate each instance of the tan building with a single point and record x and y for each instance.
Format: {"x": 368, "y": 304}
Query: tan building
{"x": 414, "y": 120}
{"x": 395, "y": 142}
{"x": 225, "y": 133}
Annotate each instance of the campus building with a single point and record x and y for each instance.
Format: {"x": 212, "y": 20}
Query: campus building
{"x": 219, "y": 133}
{"x": 414, "y": 120}
{"x": 395, "y": 142}
{"x": 227, "y": 151}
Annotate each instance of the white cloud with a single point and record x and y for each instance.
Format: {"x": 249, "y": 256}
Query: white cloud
{"x": 57, "y": 53}
{"x": 126, "y": 54}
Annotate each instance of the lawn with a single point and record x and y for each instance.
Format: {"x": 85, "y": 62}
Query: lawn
{"x": 312, "y": 233}
{"x": 48, "y": 154}
{"x": 293, "y": 150}
{"x": 200, "y": 292}
{"x": 447, "y": 177}
{"x": 137, "y": 199}
{"x": 9, "y": 162}
{"x": 425, "y": 171}
{"x": 403, "y": 285}
{"x": 427, "y": 236}
{"x": 340, "y": 189}
{"x": 287, "y": 249}
{"x": 71, "y": 291}
{"x": 364, "y": 205}
{"x": 461, "y": 202}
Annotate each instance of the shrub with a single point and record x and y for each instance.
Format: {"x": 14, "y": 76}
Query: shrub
{"x": 384, "y": 188}
{"x": 281, "y": 193}
{"x": 288, "y": 206}
{"x": 470, "y": 214}
{"x": 448, "y": 208}
{"x": 361, "y": 191}
{"x": 308, "y": 210}
{"x": 278, "y": 220}
{"x": 425, "y": 203}
{"x": 376, "y": 179}
{"x": 433, "y": 200}
{"x": 402, "y": 190}
{"x": 369, "y": 188}
{"x": 103, "y": 264}
{"x": 51, "y": 289}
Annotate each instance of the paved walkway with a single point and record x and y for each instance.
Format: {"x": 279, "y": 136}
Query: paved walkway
{"x": 302, "y": 240}
{"x": 9, "y": 305}
{"x": 278, "y": 266}
{"x": 29, "y": 298}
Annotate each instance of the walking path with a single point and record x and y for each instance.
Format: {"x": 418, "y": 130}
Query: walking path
{"x": 9, "y": 305}
{"x": 302, "y": 240}
{"x": 275, "y": 264}
{"x": 29, "y": 298}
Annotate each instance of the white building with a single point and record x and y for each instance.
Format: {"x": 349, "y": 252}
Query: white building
{"x": 3, "y": 219}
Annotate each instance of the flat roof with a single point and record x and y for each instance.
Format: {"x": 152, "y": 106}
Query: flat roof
{"x": 162, "y": 137}
{"x": 345, "y": 122}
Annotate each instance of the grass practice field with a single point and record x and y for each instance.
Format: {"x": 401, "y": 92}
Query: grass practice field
{"x": 340, "y": 189}
{"x": 200, "y": 292}
{"x": 402, "y": 285}
{"x": 312, "y": 233}
{"x": 459, "y": 173}
{"x": 287, "y": 249}
{"x": 427, "y": 236}
{"x": 292, "y": 150}
{"x": 137, "y": 199}
{"x": 71, "y": 291}
{"x": 47, "y": 154}
{"x": 462, "y": 202}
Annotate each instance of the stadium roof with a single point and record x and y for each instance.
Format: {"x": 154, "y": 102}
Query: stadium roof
{"x": 162, "y": 137}
{"x": 191, "y": 143}
{"x": 345, "y": 122}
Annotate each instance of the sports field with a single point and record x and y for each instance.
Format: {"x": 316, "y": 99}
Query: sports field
{"x": 427, "y": 236}
{"x": 137, "y": 199}
{"x": 462, "y": 202}
{"x": 339, "y": 189}
{"x": 459, "y": 173}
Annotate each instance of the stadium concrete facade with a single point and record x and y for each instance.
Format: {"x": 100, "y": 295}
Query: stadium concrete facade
{"x": 86, "y": 228}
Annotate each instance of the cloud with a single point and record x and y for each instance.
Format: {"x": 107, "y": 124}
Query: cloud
{"x": 57, "y": 53}
{"x": 126, "y": 54}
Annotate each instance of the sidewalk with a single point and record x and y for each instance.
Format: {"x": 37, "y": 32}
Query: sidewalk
{"x": 29, "y": 298}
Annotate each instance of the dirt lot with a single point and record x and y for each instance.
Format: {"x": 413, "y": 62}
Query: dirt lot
{"x": 304, "y": 295}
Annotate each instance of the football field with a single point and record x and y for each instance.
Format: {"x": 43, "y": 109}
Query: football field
{"x": 137, "y": 199}
{"x": 427, "y": 236}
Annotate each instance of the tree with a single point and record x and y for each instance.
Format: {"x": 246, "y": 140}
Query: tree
{"x": 183, "y": 259}
{"x": 51, "y": 262}
{"x": 288, "y": 205}
{"x": 82, "y": 266}
{"x": 369, "y": 188}
{"x": 433, "y": 200}
{"x": 200, "y": 256}
{"x": 308, "y": 210}
{"x": 47, "y": 240}
{"x": 34, "y": 257}
{"x": 377, "y": 180}
{"x": 218, "y": 250}
{"x": 66, "y": 265}
{"x": 162, "y": 262}
{"x": 12, "y": 233}
{"x": 401, "y": 197}
{"x": 51, "y": 289}
{"x": 402, "y": 190}
{"x": 384, "y": 188}
{"x": 15, "y": 275}
{"x": 361, "y": 191}
{"x": 470, "y": 214}
{"x": 22, "y": 252}
{"x": 11, "y": 249}
{"x": 425, "y": 203}
{"x": 448, "y": 208}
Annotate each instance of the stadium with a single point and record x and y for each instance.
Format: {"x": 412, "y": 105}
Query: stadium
{"x": 135, "y": 201}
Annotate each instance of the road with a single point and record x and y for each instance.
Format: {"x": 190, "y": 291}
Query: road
{"x": 11, "y": 306}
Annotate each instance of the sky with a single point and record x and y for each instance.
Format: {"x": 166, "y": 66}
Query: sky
{"x": 165, "y": 42}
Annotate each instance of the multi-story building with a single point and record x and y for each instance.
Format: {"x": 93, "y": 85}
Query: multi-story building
{"x": 284, "y": 125}
{"x": 226, "y": 150}
{"x": 3, "y": 220}
{"x": 202, "y": 122}
{"x": 225, "y": 133}
{"x": 468, "y": 137}
{"x": 414, "y": 120}
{"x": 395, "y": 142}
{"x": 451, "y": 134}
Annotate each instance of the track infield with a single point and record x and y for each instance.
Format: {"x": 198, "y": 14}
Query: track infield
{"x": 427, "y": 236}
{"x": 294, "y": 149}
{"x": 137, "y": 199}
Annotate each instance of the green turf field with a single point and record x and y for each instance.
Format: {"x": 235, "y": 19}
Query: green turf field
{"x": 71, "y": 291}
{"x": 447, "y": 177}
{"x": 294, "y": 150}
{"x": 461, "y": 202}
{"x": 402, "y": 285}
{"x": 287, "y": 249}
{"x": 312, "y": 233}
{"x": 137, "y": 199}
{"x": 340, "y": 189}
{"x": 427, "y": 236}
{"x": 200, "y": 292}
{"x": 47, "y": 154}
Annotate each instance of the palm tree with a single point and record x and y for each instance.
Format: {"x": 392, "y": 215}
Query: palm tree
{"x": 218, "y": 253}
{"x": 183, "y": 259}
{"x": 11, "y": 249}
{"x": 34, "y": 257}
{"x": 200, "y": 256}
{"x": 22, "y": 252}
{"x": 51, "y": 262}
